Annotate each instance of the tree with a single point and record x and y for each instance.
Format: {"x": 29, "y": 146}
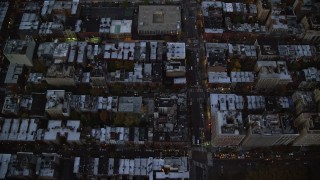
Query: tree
{"x": 104, "y": 116}
{"x": 146, "y": 1}
{"x": 125, "y": 4}
{"x": 126, "y": 119}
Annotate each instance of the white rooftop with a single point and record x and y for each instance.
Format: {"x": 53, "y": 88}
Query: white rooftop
{"x": 181, "y": 80}
{"x": 229, "y": 122}
{"x": 256, "y": 102}
{"x": 124, "y": 51}
{"x": 13, "y": 73}
{"x": 176, "y": 50}
{"x": 4, "y": 162}
{"x": 55, "y": 128}
{"x": 242, "y": 76}
{"x": 225, "y": 102}
{"x": 120, "y": 27}
{"x": 218, "y": 77}
{"x": 105, "y": 24}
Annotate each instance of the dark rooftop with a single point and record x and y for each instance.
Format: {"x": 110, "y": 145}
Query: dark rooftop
{"x": 268, "y": 46}
{"x": 287, "y": 124}
{"x": 113, "y": 12}
{"x": 156, "y": 72}
{"x": 38, "y": 105}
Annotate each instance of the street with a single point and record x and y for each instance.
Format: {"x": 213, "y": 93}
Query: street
{"x": 195, "y": 52}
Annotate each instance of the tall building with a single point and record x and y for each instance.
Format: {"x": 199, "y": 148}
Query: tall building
{"x": 302, "y": 8}
{"x": 311, "y": 26}
{"x": 309, "y": 127}
{"x": 269, "y": 130}
{"x": 263, "y": 7}
{"x": 16, "y": 75}
{"x": 304, "y": 102}
{"x": 227, "y": 128}
{"x": 271, "y": 74}
{"x": 20, "y": 51}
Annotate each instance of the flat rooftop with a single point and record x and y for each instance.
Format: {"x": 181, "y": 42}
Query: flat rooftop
{"x": 230, "y": 123}
{"x": 159, "y": 18}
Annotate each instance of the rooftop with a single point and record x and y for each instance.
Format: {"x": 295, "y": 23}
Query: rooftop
{"x": 60, "y": 71}
{"x": 84, "y": 103}
{"x": 120, "y": 51}
{"x": 244, "y": 27}
{"x": 176, "y": 50}
{"x": 208, "y": 5}
{"x": 105, "y": 24}
{"x": 21, "y": 164}
{"x": 18, "y": 130}
{"x": 278, "y": 103}
{"x": 113, "y": 135}
{"x": 218, "y": 77}
{"x": 315, "y": 21}
{"x": 256, "y": 102}
{"x": 249, "y": 51}
{"x": 17, "y": 46}
{"x": 268, "y": 47}
{"x": 46, "y": 165}
{"x": 35, "y": 78}
{"x": 273, "y": 69}
{"x": 61, "y": 52}
{"x": 4, "y": 165}
{"x": 46, "y": 49}
{"x": 120, "y": 27}
{"x": 230, "y": 123}
{"x": 55, "y": 99}
{"x": 216, "y": 53}
{"x": 14, "y": 74}
{"x": 223, "y": 102}
{"x": 130, "y": 104}
{"x": 29, "y": 22}
{"x": 305, "y": 97}
{"x": 56, "y": 128}
{"x": 159, "y": 18}
{"x": 311, "y": 74}
{"x": 265, "y": 125}
{"x": 39, "y": 101}
{"x": 242, "y": 77}
{"x": 310, "y": 122}
{"x": 11, "y": 105}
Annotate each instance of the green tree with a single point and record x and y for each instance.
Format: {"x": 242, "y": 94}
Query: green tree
{"x": 126, "y": 119}
{"x": 146, "y": 1}
{"x": 125, "y": 4}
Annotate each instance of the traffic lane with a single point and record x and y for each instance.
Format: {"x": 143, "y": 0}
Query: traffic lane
{"x": 200, "y": 156}
{"x": 234, "y": 168}
{"x": 193, "y": 69}
{"x": 195, "y": 120}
